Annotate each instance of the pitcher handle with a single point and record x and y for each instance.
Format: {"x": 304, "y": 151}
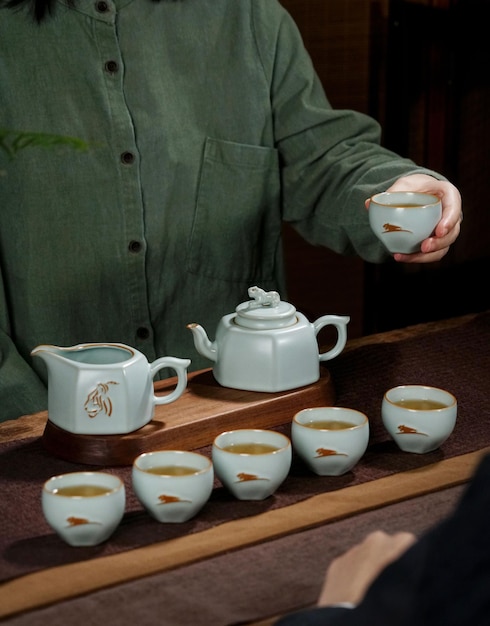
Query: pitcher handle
{"x": 340, "y": 322}
{"x": 180, "y": 366}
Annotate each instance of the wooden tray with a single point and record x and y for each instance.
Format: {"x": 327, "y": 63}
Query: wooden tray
{"x": 203, "y": 411}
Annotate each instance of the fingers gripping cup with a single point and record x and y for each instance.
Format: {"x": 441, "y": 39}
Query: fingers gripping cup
{"x": 330, "y": 440}
{"x": 252, "y": 463}
{"x": 172, "y": 485}
{"x": 84, "y": 508}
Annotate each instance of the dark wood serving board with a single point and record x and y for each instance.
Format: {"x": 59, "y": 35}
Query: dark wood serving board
{"x": 203, "y": 411}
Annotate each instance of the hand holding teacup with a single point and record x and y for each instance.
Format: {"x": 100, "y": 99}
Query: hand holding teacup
{"x": 436, "y": 245}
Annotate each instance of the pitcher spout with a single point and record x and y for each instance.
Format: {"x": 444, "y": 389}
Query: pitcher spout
{"x": 45, "y": 351}
{"x": 53, "y": 356}
{"x": 203, "y": 345}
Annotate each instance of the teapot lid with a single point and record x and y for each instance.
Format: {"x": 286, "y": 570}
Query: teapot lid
{"x": 265, "y": 311}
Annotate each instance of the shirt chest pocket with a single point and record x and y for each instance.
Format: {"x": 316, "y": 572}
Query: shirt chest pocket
{"x": 237, "y": 221}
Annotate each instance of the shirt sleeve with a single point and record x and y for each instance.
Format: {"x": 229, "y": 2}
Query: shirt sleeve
{"x": 21, "y": 389}
{"x": 331, "y": 160}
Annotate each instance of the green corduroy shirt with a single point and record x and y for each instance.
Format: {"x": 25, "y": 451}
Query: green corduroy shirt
{"x": 207, "y": 128}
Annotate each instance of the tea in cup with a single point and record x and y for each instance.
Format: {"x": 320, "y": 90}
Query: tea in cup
{"x": 403, "y": 219}
{"x": 418, "y": 417}
{"x": 330, "y": 440}
{"x": 84, "y": 508}
{"x": 252, "y": 463}
{"x": 172, "y": 485}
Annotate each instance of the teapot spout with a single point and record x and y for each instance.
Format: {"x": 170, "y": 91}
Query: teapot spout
{"x": 203, "y": 345}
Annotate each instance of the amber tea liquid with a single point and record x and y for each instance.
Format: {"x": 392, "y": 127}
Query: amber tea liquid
{"x": 420, "y": 404}
{"x": 250, "y": 448}
{"x": 85, "y": 491}
{"x": 172, "y": 470}
{"x": 329, "y": 424}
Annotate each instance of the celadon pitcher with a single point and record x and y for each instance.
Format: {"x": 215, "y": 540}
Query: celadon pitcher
{"x": 266, "y": 345}
{"x": 105, "y": 388}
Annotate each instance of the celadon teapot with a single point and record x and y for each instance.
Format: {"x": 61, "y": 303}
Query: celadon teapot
{"x": 266, "y": 345}
{"x": 105, "y": 388}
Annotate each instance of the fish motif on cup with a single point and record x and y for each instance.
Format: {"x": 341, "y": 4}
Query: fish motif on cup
{"x": 322, "y": 452}
{"x": 166, "y": 499}
{"x": 393, "y": 228}
{"x": 79, "y": 521}
{"x": 244, "y": 477}
{"x": 408, "y": 430}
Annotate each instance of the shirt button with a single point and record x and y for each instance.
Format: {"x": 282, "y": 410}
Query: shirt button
{"x": 143, "y": 332}
{"x": 102, "y": 7}
{"x": 111, "y": 67}
{"x": 127, "y": 158}
{"x": 135, "y": 246}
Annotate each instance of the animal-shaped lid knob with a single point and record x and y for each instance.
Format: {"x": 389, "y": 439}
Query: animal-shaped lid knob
{"x": 266, "y": 310}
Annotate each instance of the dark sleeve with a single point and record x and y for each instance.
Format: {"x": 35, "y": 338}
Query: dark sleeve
{"x": 443, "y": 580}
{"x": 315, "y": 617}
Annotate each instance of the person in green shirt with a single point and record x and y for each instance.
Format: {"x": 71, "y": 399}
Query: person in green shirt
{"x": 207, "y": 128}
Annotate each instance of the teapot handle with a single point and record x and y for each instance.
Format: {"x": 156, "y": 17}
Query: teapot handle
{"x": 180, "y": 366}
{"x": 340, "y": 322}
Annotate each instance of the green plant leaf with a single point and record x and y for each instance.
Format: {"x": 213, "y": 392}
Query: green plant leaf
{"x": 12, "y": 141}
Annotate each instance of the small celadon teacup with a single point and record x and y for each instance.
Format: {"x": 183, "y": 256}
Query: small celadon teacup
{"x": 84, "y": 508}
{"x": 401, "y": 220}
{"x": 419, "y": 417}
{"x": 252, "y": 463}
{"x": 172, "y": 485}
{"x": 330, "y": 440}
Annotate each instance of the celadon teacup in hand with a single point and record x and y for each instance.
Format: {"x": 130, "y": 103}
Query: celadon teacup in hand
{"x": 401, "y": 220}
